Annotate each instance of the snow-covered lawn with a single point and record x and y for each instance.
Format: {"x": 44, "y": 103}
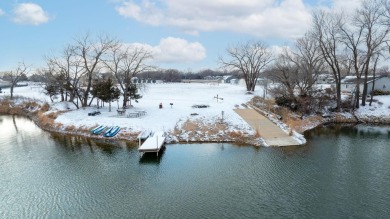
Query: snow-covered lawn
{"x": 182, "y": 95}
{"x": 380, "y": 107}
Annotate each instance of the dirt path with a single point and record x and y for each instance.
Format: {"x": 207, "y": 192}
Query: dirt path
{"x": 272, "y": 134}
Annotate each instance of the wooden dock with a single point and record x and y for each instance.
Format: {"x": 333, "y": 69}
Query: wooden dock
{"x": 153, "y": 143}
{"x": 144, "y": 135}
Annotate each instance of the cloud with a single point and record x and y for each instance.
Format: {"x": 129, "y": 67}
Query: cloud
{"x": 2, "y": 12}
{"x": 179, "y": 50}
{"x": 175, "y": 50}
{"x": 30, "y": 13}
{"x": 266, "y": 18}
{"x": 147, "y": 12}
{"x": 279, "y": 50}
{"x": 346, "y": 5}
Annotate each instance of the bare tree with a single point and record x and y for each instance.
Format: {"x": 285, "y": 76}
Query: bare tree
{"x": 66, "y": 72}
{"x": 127, "y": 62}
{"x": 308, "y": 58}
{"x": 90, "y": 52}
{"x": 353, "y": 40}
{"x": 15, "y": 75}
{"x": 373, "y": 80}
{"x": 250, "y": 59}
{"x": 327, "y": 31}
{"x": 371, "y": 17}
{"x": 365, "y": 37}
{"x": 285, "y": 72}
{"x": 172, "y": 75}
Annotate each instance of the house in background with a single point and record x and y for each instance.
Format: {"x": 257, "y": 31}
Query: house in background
{"x": 4, "y": 84}
{"x": 325, "y": 78}
{"x": 348, "y": 84}
{"x": 227, "y": 79}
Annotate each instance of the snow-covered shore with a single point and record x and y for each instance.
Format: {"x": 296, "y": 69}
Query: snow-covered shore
{"x": 183, "y": 123}
{"x": 378, "y": 112}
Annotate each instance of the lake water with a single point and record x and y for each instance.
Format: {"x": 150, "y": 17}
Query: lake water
{"x": 340, "y": 172}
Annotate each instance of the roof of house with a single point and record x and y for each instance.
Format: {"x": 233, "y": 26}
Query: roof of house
{"x": 353, "y": 79}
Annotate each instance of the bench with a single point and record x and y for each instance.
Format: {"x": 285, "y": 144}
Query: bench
{"x": 141, "y": 112}
{"x": 121, "y": 111}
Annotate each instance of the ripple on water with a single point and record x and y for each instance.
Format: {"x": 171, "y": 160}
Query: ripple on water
{"x": 334, "y": 175}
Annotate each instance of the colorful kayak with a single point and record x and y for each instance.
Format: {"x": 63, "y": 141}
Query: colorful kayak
{"x": 98, "y": 129}
{"x": 112, "y": 131}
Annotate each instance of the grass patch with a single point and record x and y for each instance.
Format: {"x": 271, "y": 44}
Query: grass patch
{"x": 7, "y": 107}
{"x": 53, "y": 115}
{"x": 236, "y": 134}
{"x": 239, "y": 137}
{"x": 58, "y": 126}
{"x": 44, "y": 120}
{"x": 30, "y": 105}
{"x": 71, "y": 128}
{"x": 45, "y": 107}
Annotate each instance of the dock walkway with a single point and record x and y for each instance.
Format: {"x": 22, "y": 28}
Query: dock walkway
{"x": 269, "y": 131}
{"x": 153, "y": 144}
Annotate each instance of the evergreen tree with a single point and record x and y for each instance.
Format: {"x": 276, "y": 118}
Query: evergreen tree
{"x": 106, "y": 91}
{"x": 132, "y": 93}
{"x": 51, "y": 90}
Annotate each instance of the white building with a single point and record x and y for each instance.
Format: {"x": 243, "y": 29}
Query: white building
{"x": 325, "y": 79}
{"x": 4, "y": 84}
{"x": 348, "y": 84}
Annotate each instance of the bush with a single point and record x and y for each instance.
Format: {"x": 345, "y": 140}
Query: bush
{"x": 45, "y": 107}
{"x": 71, "y": 128}
{"x": 53, "y": 115}
{"x": 31, "y": 105}
{"x": 380, "y": 92}
{"x": 285, "y": 101}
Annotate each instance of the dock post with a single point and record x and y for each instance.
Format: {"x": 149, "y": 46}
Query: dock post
{"x": 157, "y": 144}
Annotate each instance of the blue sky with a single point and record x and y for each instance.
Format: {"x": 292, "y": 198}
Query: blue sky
{"x": 184, "y": 34}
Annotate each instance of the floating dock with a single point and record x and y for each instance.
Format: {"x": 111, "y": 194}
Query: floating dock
{"x": 154, "y": 143}
{"x": 144, "y": 135}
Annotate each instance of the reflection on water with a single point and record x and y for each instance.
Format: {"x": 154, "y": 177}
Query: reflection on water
{"x": 341, "y": 172}
{"x": 349, "y": 130}
{"x": 152, "y": 158}
{"x": 75, "y": 143}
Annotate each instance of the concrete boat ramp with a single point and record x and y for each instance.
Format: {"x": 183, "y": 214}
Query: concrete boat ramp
{"x": 269, "y": 131}
{"x": 153, "y": 143}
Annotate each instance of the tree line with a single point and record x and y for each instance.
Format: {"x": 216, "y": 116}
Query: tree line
{"x": 338, "y": 43}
